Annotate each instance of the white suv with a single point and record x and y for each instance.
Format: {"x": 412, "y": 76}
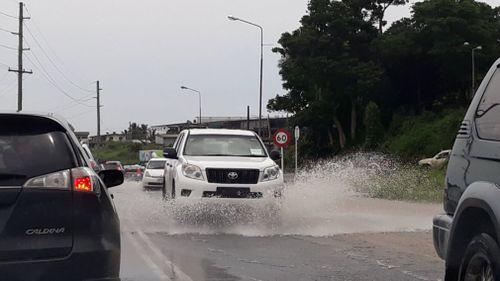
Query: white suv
{"x": 220, "y": 163}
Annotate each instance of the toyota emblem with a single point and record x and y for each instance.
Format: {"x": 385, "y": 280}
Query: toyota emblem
{"x": 232, "y": 176}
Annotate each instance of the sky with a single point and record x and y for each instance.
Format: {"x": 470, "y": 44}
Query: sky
{"x": 142, "y": 52}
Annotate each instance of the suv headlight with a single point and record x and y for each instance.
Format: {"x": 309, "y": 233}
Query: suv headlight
{"x": 147, "y": 174}
{"x": 271, "y": 173}
{"x": 192, "y": 172}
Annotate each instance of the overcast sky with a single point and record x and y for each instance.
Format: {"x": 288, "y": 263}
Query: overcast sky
{"x": 142, "y": 52}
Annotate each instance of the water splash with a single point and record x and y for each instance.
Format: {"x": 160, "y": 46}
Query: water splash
{"x": 322, "y": 201}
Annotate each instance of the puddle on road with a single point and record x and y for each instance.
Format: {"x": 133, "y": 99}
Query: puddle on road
{"x": 321, "y": 202}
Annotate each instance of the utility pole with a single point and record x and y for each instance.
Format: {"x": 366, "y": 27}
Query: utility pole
{"x": 20, "y": 71}
{"x": 248, "y": 117}
{"x": 98, "y": 113}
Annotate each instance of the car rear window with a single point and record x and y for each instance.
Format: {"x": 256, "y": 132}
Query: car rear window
{"x": 111, "y": 166}
{"x": 156, "y": 165}
{"x": 24, "y": 156}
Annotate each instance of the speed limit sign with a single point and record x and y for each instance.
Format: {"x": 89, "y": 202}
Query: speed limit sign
{"x": 282, "y": 138}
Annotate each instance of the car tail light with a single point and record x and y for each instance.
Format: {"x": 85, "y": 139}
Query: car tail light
{"x": 81, "y": 179}
{"x": 58, "y": 180}
{"x": 84, "y": 179}
{"x": 139, "y": 171}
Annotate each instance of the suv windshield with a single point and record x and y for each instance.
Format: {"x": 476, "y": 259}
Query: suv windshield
{"x": 224, "y": 145}
{"x": 24, "y": 156}
{"x": 156, "y": 165}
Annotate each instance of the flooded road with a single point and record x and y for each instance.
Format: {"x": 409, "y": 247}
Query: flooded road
{"x": 320, "y": 231}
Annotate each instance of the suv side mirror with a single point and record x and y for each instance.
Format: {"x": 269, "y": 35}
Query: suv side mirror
{"x": 170, "y": 153}
{"x": 111, "y": 177}
{"x": 275, "y": 155}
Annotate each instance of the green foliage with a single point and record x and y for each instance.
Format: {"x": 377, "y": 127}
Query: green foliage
{"x": 423, "y": 135}
{"x": 406, "y": 183}
{"x": 338, "y": 60}
{"x": 126, "y": 152}
{"x": 373, "y": 126}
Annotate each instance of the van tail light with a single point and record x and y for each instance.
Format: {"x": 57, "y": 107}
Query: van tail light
{"x": 81, "y": 179}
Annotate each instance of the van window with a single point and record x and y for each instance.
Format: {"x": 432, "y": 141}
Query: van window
{"x": 488, "y": 111}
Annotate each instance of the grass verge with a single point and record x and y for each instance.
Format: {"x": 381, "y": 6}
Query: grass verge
{"x": 406, "y": 183}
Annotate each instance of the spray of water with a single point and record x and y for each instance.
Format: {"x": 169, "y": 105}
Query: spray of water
{"x": 321, "y": 201}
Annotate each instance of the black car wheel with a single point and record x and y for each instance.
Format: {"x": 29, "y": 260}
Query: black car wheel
{"x": 481, "y": 261}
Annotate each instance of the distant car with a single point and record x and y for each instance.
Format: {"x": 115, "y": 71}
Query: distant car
{"x": 134, "y": 172}
{"x": 153, "y": 175}
{"x": 93, "y": 163}
{"x": 57, "y": 218}
{"x": 438, "y": 161}
{"x": 114, "y": 165}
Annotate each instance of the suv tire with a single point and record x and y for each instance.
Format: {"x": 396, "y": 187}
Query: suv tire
{"x": 164, "y": 194}
{"x": 481, "y": 260}
{"x": 173, "y": 190}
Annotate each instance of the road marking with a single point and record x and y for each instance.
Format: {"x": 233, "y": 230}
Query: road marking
{"x": 147, "y": 259}
{"x": 178, "y": 273}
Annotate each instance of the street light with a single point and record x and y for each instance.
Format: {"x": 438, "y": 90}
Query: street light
{"x": 473, "y": 67}
{"x": 199, "y": 98}
{"x": 261, "y": 62}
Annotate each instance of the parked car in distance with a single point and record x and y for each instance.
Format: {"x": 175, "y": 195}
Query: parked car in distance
{"x": 133, "y": 172}
{"x": 221, "y": 163}
{"x": 88, "y": 153}
{"x": 113, "y": 165}
{"x": 438, "y": 161}
{"x": 467, "y": 235}
{"x": 56, "y": 212}
{"x": 153, "y": 175}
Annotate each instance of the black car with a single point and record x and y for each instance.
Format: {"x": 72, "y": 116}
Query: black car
{"x": 57, "y": 219}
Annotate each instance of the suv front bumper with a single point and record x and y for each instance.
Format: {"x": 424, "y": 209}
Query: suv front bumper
{"x": 199, "y": 188}
{"x": 441, "y": 233}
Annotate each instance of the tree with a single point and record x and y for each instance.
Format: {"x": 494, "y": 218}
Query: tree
{"x": 424, "y": 57}
{"x": 137, "y": 132}
{"x": 379, "y": 7}
{"x": 373, "y": 126}
{"x": 327, "y": 67}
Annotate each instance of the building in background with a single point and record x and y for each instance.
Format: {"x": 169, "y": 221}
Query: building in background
{"x": 166, "y": 134}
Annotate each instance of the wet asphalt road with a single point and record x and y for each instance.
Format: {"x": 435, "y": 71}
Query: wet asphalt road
{"x": 153, "y": 248}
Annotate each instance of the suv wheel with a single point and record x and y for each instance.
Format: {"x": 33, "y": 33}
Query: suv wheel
{"x": 164, "y": 194}
{"x": 481, "y": 260}
{"x": 173, "y": 190}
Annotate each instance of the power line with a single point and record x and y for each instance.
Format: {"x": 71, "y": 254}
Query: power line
{"x": 54, "y": 64}
{"x": 33, "y": 21}
{"x": 8, "y": 47}
{"x": 7, "y": 15}
{"x": 80, "y": 114}
{"x": 3, "y": 29}
{"x": 8, "y": 88}
{"x": 3, "y": 64}
{"x": 68, "y": 105}
{"x": 51, "y": 80}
